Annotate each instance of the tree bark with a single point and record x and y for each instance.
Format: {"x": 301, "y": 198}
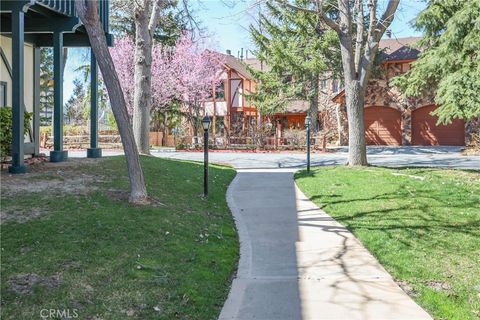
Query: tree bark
{"x": 142, "y": 103}
{"x": 338, "y": 114}
{"x": 355, "y": 98}
{"x": 88, "y": 13}
{"x": 357, "y": 64}
{"x": 357, "y": 150}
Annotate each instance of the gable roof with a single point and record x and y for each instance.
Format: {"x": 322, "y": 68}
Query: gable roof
{"x": 256, "y": 64}
{"x": 399, "y": 49}
{"x": 236, "y": 64}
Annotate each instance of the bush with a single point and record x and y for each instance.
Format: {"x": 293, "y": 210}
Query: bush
{"x": 295, "y": 138}
{"x": 6, "y": 130}
{"x": 46, "y": 130}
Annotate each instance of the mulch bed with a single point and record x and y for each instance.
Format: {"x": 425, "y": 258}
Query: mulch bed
{"x": 29, "y": 161}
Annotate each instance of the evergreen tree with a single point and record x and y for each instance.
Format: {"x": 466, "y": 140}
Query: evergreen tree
{"x": 451, "y": 61}
{"x": 46, "y": 85}
{"x": 174, "y": 21}
{"x": 296, "y": 61}
{"x": 74, "y": 108}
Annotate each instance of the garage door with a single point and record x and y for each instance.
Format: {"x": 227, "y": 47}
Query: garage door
{"x": 383, "y": 126}
{"x": 425, "y": 132}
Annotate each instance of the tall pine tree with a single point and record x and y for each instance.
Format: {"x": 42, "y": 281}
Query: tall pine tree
{"x": 297, "y": 62}
{"x": 450, "y": 61}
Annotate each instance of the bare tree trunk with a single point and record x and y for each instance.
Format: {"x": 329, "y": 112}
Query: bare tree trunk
{"x": 338, "y": 114}
{"x": 355, "y": 97}
{"x": 88, "y": 13}
{"x": 147, "y": 16}
{"x": 357, "y": 151}
{"x": 358, "y": 53}
{"x": 65, "y": 58}
{"x": 142, "y": 103}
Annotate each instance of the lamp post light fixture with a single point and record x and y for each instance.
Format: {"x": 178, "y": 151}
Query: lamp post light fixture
{"x": 308, "y": 120}
{"x": 206, "y": 126}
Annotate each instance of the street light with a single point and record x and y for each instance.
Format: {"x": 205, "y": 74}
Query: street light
{"x": 206, "y": 125}
{"x": 307, "y": 126}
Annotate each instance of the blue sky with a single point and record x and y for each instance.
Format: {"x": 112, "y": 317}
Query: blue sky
{"x": 226, "y": 23}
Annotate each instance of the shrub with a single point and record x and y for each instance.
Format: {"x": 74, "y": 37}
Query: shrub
{"x": 295, "y": 138}
{"x": 6, "y": 130}
{"x": 46, "y": 130}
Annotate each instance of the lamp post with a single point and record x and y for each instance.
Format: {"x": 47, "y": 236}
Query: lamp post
{"x": 206, "y": 125}
{"x": 307, "y": 126}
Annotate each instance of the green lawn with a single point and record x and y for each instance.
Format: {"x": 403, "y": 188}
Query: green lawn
{"x": 423, "y": 225}
{"x": 70, "y": 241}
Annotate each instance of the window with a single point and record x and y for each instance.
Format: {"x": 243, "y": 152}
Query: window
{"x": 220, "y": 91}
{"x": 3, "y": 93}
{"x": 220, "y": 126}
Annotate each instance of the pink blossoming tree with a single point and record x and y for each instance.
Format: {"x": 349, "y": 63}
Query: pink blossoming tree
{"x": 122, "y": 55}
{"x": 184, "y": 73}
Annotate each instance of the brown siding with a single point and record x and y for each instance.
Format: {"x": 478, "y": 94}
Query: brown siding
{"x": 425, "y": 131}
{"x": 382, "y": 126}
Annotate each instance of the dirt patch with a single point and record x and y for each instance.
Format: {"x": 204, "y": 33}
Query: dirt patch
{"x": 438, "y": 285}
{"x": 408, "y": 288}
{"x": 24, "y": 283}
{"x": 64, "y": 177}
{"x": 48, "y": 180}
{"x": 20, "y": 215}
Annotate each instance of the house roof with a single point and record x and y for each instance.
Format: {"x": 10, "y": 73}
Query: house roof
{"x": 256, "y": 64}
{"x": 297, "y": 106}
{"x": 236, "y": 64}
{"x": 391, "y": 45}
{"x": 399, "y": 49}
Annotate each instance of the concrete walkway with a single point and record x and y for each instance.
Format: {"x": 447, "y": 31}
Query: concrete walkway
{"x": 297, "y": 262}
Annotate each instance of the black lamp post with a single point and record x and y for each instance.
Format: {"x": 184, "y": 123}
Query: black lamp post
{"x": 206, "y": 125}
{"x": 307, "y": 126}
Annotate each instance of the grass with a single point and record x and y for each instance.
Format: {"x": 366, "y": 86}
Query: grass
{"x": 114, "y": 260}
{"x": 423, "y": 225}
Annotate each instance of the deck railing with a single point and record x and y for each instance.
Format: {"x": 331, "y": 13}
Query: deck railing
{"x": 67, "y": 7}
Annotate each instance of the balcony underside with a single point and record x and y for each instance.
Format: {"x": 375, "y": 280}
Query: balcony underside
{"x": 41, "y": 20}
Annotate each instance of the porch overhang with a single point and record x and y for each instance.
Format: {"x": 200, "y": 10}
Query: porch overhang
{"x": 43, "y": 18}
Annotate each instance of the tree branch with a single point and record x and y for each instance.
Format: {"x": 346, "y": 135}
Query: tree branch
{"x": 386, "y": 18}
{"x": 155, "y": 17}
{"x": 360, "y": 29}
{"x": 375, "y": 33}
{"x": 322, "y": 15}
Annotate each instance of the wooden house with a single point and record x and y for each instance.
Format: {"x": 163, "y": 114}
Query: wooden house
{"x": 393, "y": 119}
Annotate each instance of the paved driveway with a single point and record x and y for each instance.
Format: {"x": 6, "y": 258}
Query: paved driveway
{"x": 381, "y": 156}
{"x": 449, "y": 157}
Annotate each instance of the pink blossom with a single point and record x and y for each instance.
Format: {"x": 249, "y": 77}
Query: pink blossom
{"x": 184, "y": 72}
{"x": 122, "y": 55}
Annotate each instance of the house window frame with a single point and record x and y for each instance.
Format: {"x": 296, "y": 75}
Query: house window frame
{"x": 220, "y": 92}
{"x": 4, "y": 99}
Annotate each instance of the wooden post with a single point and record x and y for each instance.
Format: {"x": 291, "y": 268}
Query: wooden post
{"x": 228, "y": 98}
{"x": 18, "y": 115}
{"x": 94, "y": 151}
{"x": 58, "y": 154}
{"x": 36, "y": 101}
{"x": 214, "y": 122}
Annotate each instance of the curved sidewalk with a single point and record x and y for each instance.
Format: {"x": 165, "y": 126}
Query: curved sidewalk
{"x": 296, "y": 262}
